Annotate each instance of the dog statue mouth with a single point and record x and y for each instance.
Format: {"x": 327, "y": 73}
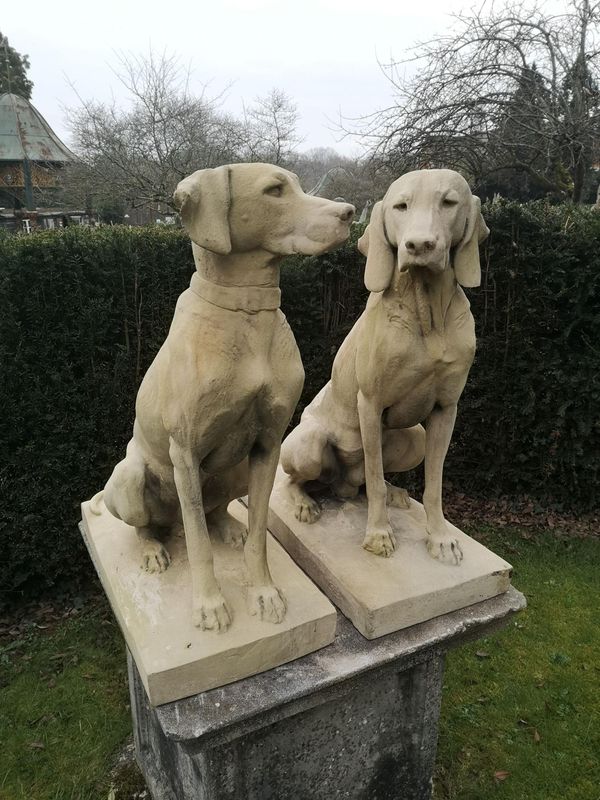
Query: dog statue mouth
{"x": 419, "y": 264}
{"x": 316, "y": 245}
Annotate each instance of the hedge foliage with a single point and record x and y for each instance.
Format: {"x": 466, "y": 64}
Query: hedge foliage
{"x": 529, "y": 420}
{"x": 83, "y": 312}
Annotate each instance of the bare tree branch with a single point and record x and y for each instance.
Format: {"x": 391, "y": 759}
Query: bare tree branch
{"x": 509, "y": 88}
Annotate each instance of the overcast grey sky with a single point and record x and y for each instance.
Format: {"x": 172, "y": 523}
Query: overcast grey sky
{"x": 323, "y": 54}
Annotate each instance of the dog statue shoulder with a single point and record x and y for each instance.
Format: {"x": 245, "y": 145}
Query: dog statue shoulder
{"x": 214, "y": 405}
{"x": 405, "y": 361}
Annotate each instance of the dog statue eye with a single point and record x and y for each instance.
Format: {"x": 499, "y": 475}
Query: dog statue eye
{"x": 275, "y": 191}
{"x": 448, "y": 202}
{"x": 401, "y": 206}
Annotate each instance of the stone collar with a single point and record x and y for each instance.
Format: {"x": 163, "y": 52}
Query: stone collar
{"x": 237, "y": 298}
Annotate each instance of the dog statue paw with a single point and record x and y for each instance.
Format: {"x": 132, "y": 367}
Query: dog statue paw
{"x": 380, "y": 541}
{"x": 397, "y": 497}
{"x": 230, "y": 530}
{"x": 211, "y": 613}
{"x": 155, "y": 557}
{"x": 445, "y": 547}
{"x": 307, "y": 510}
{"x": 267, "y": 603}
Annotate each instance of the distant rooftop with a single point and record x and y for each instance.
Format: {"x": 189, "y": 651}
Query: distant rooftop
{"x": 25, "y": 134}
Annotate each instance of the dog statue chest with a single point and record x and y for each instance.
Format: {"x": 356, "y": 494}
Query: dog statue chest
{"x": 422, "y": 369}
{"x": 271, "y": 371}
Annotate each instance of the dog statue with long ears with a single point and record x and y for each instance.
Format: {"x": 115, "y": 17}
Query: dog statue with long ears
{"x": 404, "y": 362}
{"x": 214, "y": 405}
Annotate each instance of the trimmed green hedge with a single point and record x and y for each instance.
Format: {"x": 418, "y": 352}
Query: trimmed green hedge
{"x": 529, "y": 421}
{"x": 83, "y": 312}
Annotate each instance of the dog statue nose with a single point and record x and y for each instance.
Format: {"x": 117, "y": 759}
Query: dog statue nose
{"x": 346, "y": 212}
{"x": 418, "y": 245}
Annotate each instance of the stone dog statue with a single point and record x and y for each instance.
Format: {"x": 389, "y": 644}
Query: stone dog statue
{"x": 404, "y": 362}
{"x": 213, "y": 407}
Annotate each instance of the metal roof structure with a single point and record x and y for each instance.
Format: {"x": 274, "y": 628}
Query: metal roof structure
{"x": 26, "y": 136}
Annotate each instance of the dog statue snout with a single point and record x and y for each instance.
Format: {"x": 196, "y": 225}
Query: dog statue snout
{"x": 419, "y": 245}
{"x": 345, "y": 212}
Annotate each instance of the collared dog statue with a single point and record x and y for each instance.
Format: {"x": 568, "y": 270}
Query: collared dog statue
{"x": 214, "y": 405}
{"x": 404, "y": 362}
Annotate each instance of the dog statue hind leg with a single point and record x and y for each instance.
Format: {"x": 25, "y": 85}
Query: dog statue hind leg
{"x": 129, "y": 497}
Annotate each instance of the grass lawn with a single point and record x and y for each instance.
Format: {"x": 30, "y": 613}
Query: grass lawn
{"x": 521, "y": 712}
{"x": 63, "y": 709}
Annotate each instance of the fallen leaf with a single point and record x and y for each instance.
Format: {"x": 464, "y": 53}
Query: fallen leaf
{"x": 501, "y": 775}
{"x": 482, "y": 654}
{"x": 536, "y": 735}
{"x": 37, "y": 746}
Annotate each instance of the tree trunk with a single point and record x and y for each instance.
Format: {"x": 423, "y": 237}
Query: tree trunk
{"x": 578, "y": 180}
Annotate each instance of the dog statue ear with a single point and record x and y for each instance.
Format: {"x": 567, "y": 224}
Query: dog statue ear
{"x": 466, "y": 257}
{"x": 380, "y": 256}
{"x": 203, "y": 200}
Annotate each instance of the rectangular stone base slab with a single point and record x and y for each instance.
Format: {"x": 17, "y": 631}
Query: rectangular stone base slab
{"x": 382, "y": 595}
{"x": 176, "y": 659}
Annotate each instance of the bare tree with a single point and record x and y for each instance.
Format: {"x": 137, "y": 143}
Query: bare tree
{"x": 509, "y": 88}
{"x": 141, "y": 153}
{"x": 272, "y": 129}
{"x": 326, "y": 172}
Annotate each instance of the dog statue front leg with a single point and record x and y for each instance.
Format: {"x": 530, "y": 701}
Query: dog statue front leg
{"x": 378, "y": 538}
{"x": 264, "y": 598}
{"x": 441, "y": 543}
{"x": 209, "y": 610}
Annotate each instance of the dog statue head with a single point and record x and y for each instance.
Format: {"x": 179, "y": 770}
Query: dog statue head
{"x": 428, "y": 219}
{"x": 246, "y": 207}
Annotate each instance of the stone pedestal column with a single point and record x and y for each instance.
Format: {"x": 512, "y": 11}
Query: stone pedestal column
{"x": 357, "y": 719}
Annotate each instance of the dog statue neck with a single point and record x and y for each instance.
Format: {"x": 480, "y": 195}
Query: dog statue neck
{"x": 238, "y": 281}
{"x": 432, "y": 293}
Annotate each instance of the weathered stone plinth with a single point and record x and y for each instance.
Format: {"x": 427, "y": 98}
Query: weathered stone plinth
{"x": 355, "y": 720}
{"x": 382, "y": 595}
{"x": 176, "y": 659}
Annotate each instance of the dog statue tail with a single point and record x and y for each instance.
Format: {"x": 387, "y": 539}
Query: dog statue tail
{"x": 96, "y": 503}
